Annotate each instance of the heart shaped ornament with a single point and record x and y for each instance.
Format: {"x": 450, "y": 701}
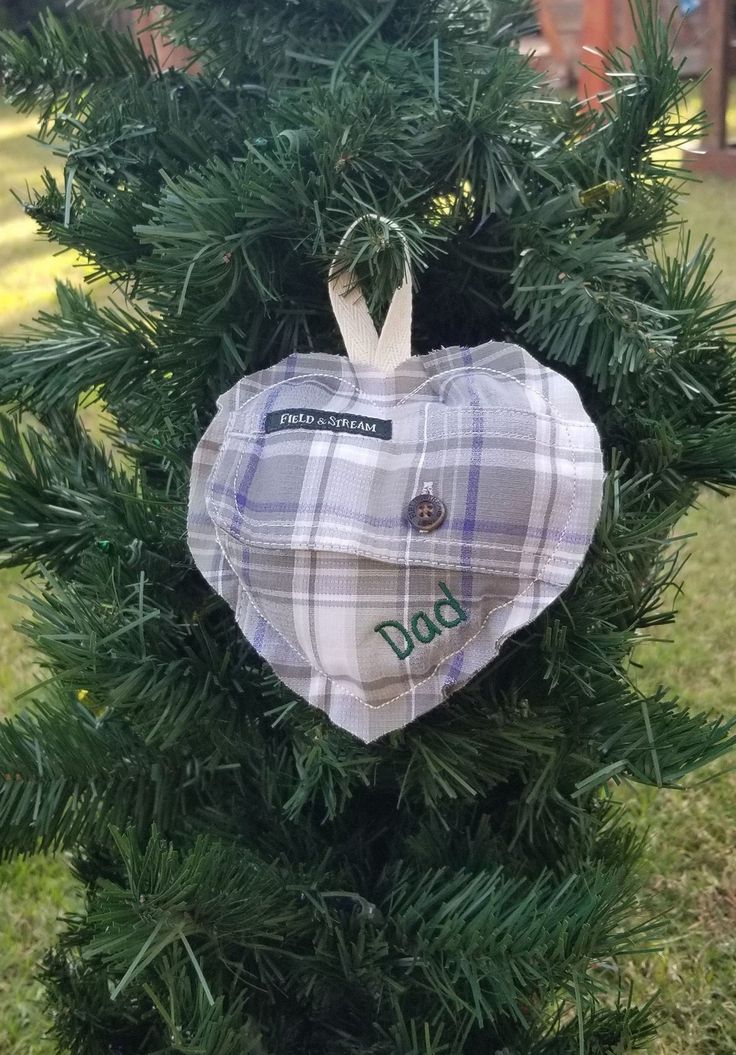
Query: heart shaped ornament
{"x": 381, "y": 523}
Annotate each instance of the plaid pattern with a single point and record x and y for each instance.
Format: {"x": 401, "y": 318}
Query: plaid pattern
{"x": 304, "y": 531}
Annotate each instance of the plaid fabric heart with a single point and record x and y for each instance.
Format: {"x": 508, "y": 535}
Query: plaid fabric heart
{"x": 303, "y": 528}
{"x": 302, "y": 516}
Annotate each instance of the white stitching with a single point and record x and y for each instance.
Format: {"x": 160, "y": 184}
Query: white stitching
{"x": 469, "y": 641}
{"x": 417, "y": 685}
{"x": 356, "y": 552}
{"x": 376, "y": 555}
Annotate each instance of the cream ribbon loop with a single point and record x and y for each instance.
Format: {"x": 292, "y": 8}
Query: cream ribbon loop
{"x": 362, "y": 341}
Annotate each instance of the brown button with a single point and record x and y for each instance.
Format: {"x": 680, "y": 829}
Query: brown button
{"x": 426, "y": 513}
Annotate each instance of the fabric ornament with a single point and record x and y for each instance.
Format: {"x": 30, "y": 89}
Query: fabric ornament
{"x": 382, "y": 523}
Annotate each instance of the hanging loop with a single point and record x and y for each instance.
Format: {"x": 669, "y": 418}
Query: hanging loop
{"x": 362, "y": 341}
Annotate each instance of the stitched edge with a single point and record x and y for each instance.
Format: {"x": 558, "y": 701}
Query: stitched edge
{"x": 438, "y": 563}
{"x": 211, "y": 501}
{"x": 407, "y": 692}
{"x": 466, "y": 643}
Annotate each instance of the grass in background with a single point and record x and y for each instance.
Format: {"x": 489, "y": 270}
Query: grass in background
{"x": 691, "y": 865}
{"x": 33, "y": 891}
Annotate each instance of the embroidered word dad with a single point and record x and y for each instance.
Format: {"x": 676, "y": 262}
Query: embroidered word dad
{"x": 305, "y": 418}
{"x": 401, "y": 640}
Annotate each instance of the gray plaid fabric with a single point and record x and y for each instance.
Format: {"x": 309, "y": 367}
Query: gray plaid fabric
{"x": 304, "y": 530}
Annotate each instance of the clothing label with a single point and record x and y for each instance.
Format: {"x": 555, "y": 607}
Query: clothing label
{"x": 303, "y": 418}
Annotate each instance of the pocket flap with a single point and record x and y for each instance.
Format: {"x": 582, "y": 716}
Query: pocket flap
{"x": 311, "y": 466}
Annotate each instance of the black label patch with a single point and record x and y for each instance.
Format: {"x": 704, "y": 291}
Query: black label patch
{"x": 303, "y": 418}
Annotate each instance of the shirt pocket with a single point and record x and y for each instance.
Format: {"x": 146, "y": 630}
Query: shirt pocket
{"x": 334, "y": 578}
{"x": 507, "y": 477}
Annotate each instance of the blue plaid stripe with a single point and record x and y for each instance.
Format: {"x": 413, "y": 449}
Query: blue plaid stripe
{"x": 304, "y": 531}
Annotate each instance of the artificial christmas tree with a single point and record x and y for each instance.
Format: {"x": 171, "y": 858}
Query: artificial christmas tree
{"x": 258, "y": 880}
{"x": 303, "y": 516}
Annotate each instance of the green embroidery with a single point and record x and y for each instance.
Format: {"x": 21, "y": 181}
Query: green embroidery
{"x": 449, "y": 602}
{"x": 422, "y": 626}
{"x": 401, "y": 653}
{"x": 430, "y": 630}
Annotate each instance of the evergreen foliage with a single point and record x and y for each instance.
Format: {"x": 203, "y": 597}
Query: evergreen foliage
{"x": 19, "y": 14}
{"x": 257, "y": 881}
